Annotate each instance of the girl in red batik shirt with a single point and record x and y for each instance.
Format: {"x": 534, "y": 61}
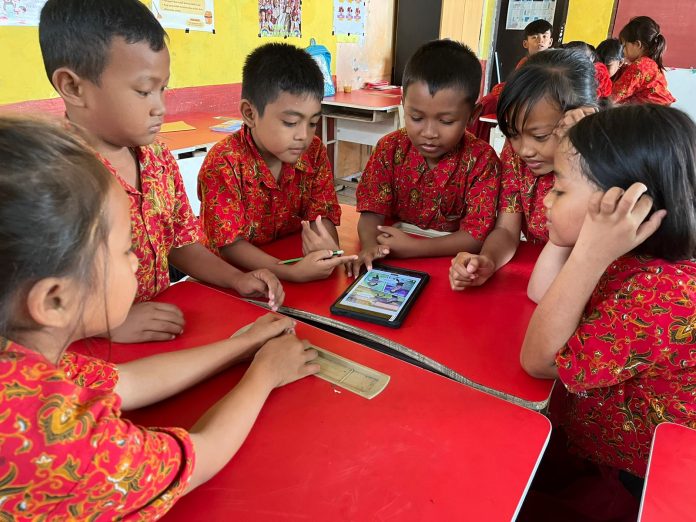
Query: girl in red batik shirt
{"x": 643, "y": 79}
{"x": 69, "y": 272}
{"x": 617, "y": 324}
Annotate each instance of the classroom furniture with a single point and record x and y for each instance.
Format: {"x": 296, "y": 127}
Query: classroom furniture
{"x": 425, "y": 448}
{"x": 362, "y": 116}
{"x": 669, "y": 491}
{"x": 473, "y": 336}
{"x": 497, "y": 138}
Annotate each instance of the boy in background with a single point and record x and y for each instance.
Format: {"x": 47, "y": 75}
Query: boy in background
{"x": 537, "y": 37}
{"x": 273, "y": 177}
{"x": 109, "y": 62}
{"x": 433, "y": 173}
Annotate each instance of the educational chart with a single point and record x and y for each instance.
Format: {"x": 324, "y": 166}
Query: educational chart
{"x": 20, "y": 12}
{"x": 280, "y": 18}
{"x": 522, "y": 12}
{"x": 194, "y": 15}
{"x": 382, "y": 292}
{"x": 349, "y": 18}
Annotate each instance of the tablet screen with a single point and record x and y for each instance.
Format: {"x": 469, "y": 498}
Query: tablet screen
{"x": 380, "y": 294}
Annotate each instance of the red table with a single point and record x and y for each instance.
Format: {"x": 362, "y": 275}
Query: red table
{"x": 198, "y": 138}
{"x": 426, "y": 448}
{"x": 473, "y": 336}
{"x": 669, "y": 485}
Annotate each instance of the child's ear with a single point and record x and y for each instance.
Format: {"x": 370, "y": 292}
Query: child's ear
{"x": 50, "y": 302}
{"x": 525, "y": 44}
{"x": 249, "y": 113}
{"x": 69, "y": 85}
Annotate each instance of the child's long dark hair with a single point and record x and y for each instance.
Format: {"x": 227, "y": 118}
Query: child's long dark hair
{"x": 610, "y": 50}
{"x": 53, "y": 192}
{"x": 653, "y": 145}
{"x": 563, "y": 76}
{"x": 645, "y": 30}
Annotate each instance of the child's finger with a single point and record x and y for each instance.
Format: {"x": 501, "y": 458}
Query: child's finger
{"x": 461, "y": 272}
{"x": 473, "y": 265}
{"x": 649, "y": 227}
{"x": 610, "y": 200}
{"x": 631, "y": 197}
{"x": 339, "y": 260}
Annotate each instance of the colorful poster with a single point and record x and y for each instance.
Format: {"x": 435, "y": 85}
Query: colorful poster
{"x": 196, "y": 15}
{"x": 522, "y": 12}
{"x": 280, "y": 18}
{"x": 349, "y": 18}
{"x": 20, "y": 12}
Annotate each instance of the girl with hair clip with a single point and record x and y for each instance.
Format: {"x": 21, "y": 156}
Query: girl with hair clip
{"x": 538, "y": 99}
{"x": 69, "y": 272}
{"x": 643, "y": 79}
{"x": 616, "y": 326}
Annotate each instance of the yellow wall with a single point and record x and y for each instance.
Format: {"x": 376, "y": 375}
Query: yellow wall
{"x": 588, "y": 20}
{"x": 197, "y": 58}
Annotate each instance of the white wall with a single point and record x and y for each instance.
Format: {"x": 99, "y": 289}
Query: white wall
{"x": 682, "y": 85}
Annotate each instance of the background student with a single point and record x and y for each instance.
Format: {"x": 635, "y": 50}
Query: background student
{"x": 67, "y": 453}
{"x": 433, "y": 174}
{"x": 109, "y": 62}
{"x": 273, "y": 177}
{"x": 610, "y": 53}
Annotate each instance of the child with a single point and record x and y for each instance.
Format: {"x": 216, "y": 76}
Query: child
{"x": 273, "y": 176}
{"x": 601, "y": 72}
{"x": 537, "y": 37}
{"x": 610, "y": 53}
{"x": 67, "y": 453}
{"x": 433, "y": 173}
{"x": 617, "y": 324}
{"x": 531, "y": 106}
{"x": 109, "y": 62}
{"x": 643, "y": 80}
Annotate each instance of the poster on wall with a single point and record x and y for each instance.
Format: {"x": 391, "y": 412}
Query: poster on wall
{"x": 280, "y": 18}
{"x": 195, "y": 15}
{"x": 522, "y": 12}
{"x": 349, "y": 19}
{"x": 20, "y": 12}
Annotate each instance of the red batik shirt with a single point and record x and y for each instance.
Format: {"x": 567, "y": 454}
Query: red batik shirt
{"x": 604, "y": 84}
{"x": 521, "y": 191}
{"x": 161, "y": 217}
{"x": 240, "y": 199}
{"x": 642, "y": 82}
{"x": 631, "y": 364}
{"x": 459, "y": 193}
{"x": 65, "y": 451}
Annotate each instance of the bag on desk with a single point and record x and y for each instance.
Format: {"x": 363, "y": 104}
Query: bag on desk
{"x": 322, "y": 56}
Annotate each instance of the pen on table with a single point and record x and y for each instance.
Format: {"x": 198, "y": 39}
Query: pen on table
{"x": 334, "y": 253}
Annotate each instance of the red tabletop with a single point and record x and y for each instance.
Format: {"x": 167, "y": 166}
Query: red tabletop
{"x": 365, "y": 99}
{"x": 669, "y": 485}
{"x": 426, "y": 448}
{"x": 477, "y": 333}
{"x": 200, "y": 136}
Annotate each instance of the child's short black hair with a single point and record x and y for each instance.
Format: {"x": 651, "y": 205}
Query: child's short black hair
{"x": 564, "y": 77}
{"x": 78, "y": 33}
{"x": 610, "y": 50}
{"x": 443, "y": 64}
{"x": 583, "y": 47}
{"x": 537, "y": 27}
{"x": 653, "y": 145}
{"x": 279, "y": 67}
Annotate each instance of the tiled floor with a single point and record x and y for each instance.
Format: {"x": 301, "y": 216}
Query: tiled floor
{"x": 346, "y": 195}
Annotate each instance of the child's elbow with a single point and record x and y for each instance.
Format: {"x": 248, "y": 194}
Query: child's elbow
{"x": 534, "y": 292}
{"x": 537, "y": 368}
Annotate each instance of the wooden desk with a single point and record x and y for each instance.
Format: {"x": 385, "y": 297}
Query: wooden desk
{"x": 361, "y": 116}
{"x": 426, "y": 448}
{"x": 669, "y": 484}
{"x": 473, "y": 336}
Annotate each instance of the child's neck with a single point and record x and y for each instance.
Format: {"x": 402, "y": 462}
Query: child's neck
{"x": 125, "y": 161}
{"x": 273, "y": 164}
{"x": 44, "y": 342}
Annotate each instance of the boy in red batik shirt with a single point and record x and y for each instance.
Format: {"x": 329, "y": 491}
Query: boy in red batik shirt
{"x": 273, "y": 177}
{"x": 433, "y": 174}
{"x": 110, "y": 64}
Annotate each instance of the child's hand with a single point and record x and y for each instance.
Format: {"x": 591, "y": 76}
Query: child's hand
{"x": 366, "y": 257}
{"x": 614, "y": 224}
{"x": 318, "y": 265}
{"x": 285, "y": 359}
{"x": 320, "y": 240}
{"x": 266, "y": 328}
{"x": 570, "y": 118}
{"x": 259, "y": 283}
{"x": 399, "y": 243}
{"x": 470, "y": 270}
{"x": 150, "y": 321}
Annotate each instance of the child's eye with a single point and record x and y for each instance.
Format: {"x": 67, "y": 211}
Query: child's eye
{"x": 557, "y": 192}
{"x": 144, "y": 93}
{"x": 543, "y": 137}
{"x": 446, "y": 122}
{"x": 313, "y": 124}
{"x": 289, "y": 123}
{"x": 416, "y": 118}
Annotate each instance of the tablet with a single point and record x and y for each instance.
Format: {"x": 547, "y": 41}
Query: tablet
{"x": 383, "y": 295}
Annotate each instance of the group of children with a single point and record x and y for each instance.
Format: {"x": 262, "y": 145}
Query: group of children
{"x": 94, "y": 212}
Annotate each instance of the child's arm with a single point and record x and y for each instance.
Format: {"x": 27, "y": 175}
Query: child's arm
{"x": 628, "y": 83}
{"x": 199, "y": 262}
{"x": 400, "y": 244}
{"x": 370, "y": 249}
{"x": 499, "y": 247}
{"x": 546, "y": 268}
{"x": 613, "y": 226}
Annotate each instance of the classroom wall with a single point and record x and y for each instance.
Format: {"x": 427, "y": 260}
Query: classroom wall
{"x": 588, "y": 20}
{"x": 197, "y": 58}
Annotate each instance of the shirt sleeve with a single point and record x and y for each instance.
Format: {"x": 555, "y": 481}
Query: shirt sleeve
{"x": 617, "y": 338}
{"x": 222, "y": 201}
{"x": 89, "y": 372}
{"x": 323, "y": 200}
{"x": 375, "y": 191}
{"x": 482, "y": 194}
{"x": 628, "y": 83}
{"x": 509, "y": 200}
